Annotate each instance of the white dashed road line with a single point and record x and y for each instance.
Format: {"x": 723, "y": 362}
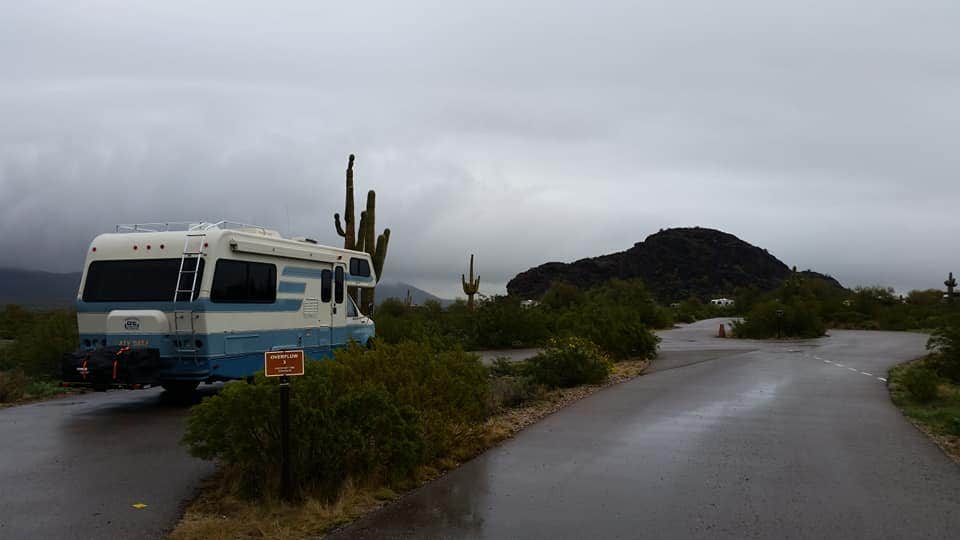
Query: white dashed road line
{"x": 868, "y": 374}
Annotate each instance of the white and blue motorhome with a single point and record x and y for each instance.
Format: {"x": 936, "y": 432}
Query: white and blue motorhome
{"x": 176, "y": 305}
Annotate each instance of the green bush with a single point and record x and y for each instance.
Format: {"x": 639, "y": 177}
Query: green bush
{"x": 945, "y": 340}
{"x": 921, "y": 383}
{"x": 569, "y": 362}
{"x": 41, "y": 340}
{"x": 504, "y": 367}
{"x": 366, "y": 415}
{"x": 799, "y": 320}
{"x": 13, "y": 385}
{"x": 512, "y": 391}
{"x": 616, "y": 316}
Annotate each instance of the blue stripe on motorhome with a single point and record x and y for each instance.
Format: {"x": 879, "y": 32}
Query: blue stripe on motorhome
{"x": 236, "y": 355}
{"x": 199, "y": 305}
{"x": 299, "y": 271}
{"x": 291, "y": 287}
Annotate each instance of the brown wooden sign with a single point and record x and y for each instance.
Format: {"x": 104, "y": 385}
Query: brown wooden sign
{"x": 283, "y": 363}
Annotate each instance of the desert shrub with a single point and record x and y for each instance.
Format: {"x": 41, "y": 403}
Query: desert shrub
{"x": 799, "y": 320}
{"x": 562, "y": 295}
{"x": 622, "y": 332}
{"x": 13, "y": 385}
{"x": 945, "y": 340}
{"x": 953, "y": 426}
{"x": 616, "y": 316}
{"x": 42, "y": 339}
{"x": 570, "y": 362}
{"x": 504, "y": 367}
{"x": 502, "y": 322}
{"x": 512, "y": 391}
{"x": 921, "y": 383}
{"x": 15, "y": 320}
{"x": 367, "y": 415}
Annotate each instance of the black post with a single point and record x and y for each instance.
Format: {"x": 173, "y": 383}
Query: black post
{"x": 779, "y": 324}
{"x": 285, "y": 487}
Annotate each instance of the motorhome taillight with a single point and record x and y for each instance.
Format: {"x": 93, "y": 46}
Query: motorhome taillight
{"x": 148, "y": 247}
{"x": 135, "y": 247}
{"x": 94, "y": 249}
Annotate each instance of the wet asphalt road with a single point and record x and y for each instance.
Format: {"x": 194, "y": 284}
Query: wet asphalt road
{"x": 73, "y": 467}
{"x": 724, "y": 439}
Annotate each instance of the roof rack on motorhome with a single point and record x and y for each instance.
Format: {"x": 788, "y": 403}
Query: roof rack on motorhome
{"x": 186, "y": 226}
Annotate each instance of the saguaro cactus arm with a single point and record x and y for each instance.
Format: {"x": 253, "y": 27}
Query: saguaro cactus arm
{"x": 380, "y": 252}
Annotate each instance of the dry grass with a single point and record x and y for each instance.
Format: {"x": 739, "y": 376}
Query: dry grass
{"x": 218, "y": 515}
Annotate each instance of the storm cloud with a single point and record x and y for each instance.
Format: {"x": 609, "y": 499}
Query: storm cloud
{"x": 522, "y": 132}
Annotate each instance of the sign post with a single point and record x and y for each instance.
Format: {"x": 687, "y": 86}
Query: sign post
{"x": 284, "y": 364}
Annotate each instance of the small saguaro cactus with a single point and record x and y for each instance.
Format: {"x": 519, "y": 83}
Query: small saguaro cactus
{"x": 471, "y": 287}
{"x": 364, "y": 237}
{"x": 951, "y": 284}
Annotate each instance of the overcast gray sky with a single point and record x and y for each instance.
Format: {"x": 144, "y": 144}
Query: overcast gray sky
{"x": 520, "y": 131}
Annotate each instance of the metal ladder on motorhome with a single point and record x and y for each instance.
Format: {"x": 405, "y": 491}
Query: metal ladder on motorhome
{"x": 184, "y": 332}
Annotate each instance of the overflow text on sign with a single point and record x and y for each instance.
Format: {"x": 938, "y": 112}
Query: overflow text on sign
{"x": 283, "y": 363}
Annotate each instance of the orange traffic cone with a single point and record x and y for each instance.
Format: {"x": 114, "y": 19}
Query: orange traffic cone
{"x": 722, "y": 332}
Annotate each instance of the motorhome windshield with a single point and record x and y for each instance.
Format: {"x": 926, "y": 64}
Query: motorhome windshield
{"x": 141, "y": 280}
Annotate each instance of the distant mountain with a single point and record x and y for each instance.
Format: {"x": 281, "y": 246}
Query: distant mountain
{"x": 34, "y": 288}
{"x": 398, "y": 290}
{"x": 674, "y": 263}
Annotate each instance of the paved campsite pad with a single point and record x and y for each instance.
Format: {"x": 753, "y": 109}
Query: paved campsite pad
{"x": 76, "y": 467}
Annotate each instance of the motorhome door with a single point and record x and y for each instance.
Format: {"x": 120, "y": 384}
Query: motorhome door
{"x": 317, "y": 298}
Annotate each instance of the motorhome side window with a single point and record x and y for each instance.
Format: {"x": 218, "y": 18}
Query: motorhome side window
{"x": 138, "y": 280}
{"x": 326, "y": 280}
{"x": 244, "y": 282}
{"x": 338, "y": 285}
{"x": 359, "y": 267}
{"x": 352, "y": 310}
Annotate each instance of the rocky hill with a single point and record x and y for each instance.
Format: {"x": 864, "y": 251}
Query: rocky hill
{"x": 675, "y": 264}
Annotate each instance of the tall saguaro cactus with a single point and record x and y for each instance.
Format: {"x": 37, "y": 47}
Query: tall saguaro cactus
{"x": 471, "y": 287}
{"x": 365, "y": 237}
{"x": 349, "y": 236}
{"x": 951, "y": 284}
{"x": 375, "y": 245}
